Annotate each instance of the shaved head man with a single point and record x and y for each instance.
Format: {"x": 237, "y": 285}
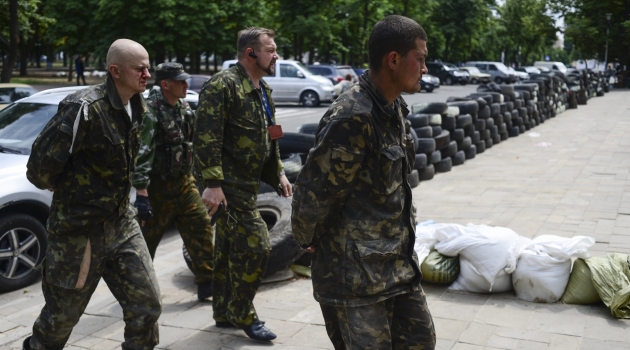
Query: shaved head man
{"x": 87, "y": 155}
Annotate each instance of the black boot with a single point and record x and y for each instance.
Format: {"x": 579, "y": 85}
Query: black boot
{"x": 26, "y": 345}
{"x": 204, "y": 291}
{"x": 258, "y": 331}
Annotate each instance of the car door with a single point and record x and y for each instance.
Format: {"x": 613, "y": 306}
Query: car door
{"x": 274, "y": 83}
{"x": 291, "y": 81}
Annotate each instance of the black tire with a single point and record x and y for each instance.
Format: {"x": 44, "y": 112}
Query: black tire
{"x": 430, "y": 108}
{"x": 481, "y": 147}
{"x": 489, "y": 143}
{"x": 309, "y": 98}
{"x": 293, "y": 142}
{"x": 495, "y": 110}
{"x": 442, "y": 140}
{"x": 18, "y": 269}
{"x": 429, "y": 90}
{"x": 476, "y": 137}
{"x": 449, "y": 122}
{"x": 444, "y": 166}
{"x": 309, "y": 129}
{"x": 421, "y": 161}
{"x": 464, "y": 144}
{"x": 414, "y": 179}
{"x": 437, "y": 130}
{"x": 485, "y": 112}
{"x": 418, "y": 120}
{"x": 457, "y": 135}
{"x": 448, "y": 81}
{"x": 424, "y": 132}
{"x": 466, "y": 107}
{"x": 414, "y": 136}
{"x": 471, "y": 152}
{"x": 480, "y": 124}
{"x": 425, "y": 145}
{"x": 474, "y": 81}
{"x": 427, "y": 173}
{"x": 504, "y": 135}
{"x": 435, "y": 157}
{"x": 489, "y": 124}
{"x": 463, "y": 120}
{"x": 459, "y": 158}
{"x": 450, "y": 150}
{"x": 496, "y": 139}
{"x": 509, "y": 105}
{"x": 265, "y": 188}
{"x": 498, "y": 80}
{"x": 502, "y": 108}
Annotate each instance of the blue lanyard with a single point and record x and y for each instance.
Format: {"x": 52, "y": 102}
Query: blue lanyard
{"x": 265, "y": 102}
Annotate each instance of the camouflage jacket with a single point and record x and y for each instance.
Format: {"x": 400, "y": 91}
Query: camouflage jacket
{"x": 167, "y": 135}
{"x": 353, "y": 200}
{"x": 92, "y": 182}
{"x": 232, "y": 141}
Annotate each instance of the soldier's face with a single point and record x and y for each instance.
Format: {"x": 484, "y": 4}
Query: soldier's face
{"x": 177, "y": 87}
{"x": 411, "y": 68}
{"x": 135, "y": 71}
{"x": 267, "y": 55}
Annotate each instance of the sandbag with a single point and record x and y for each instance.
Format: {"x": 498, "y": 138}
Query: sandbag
{"x": 489, "y": 249}
{"x": 438, "y": 268}
{"x": 425, "y": 241}
{"x": 470, "y": 280}
{"x": 544, "y": 267}
{"x": 580, "y": 289}
{"x": 611, "y": 278}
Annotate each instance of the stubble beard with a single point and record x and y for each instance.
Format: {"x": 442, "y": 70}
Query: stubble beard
{"x": 269, "y": 69}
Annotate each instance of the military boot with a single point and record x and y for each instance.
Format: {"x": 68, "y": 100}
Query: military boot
{"x": 26, "y": 345}
{"x": 258, "y": 331}
{"x": 204, "y": 291}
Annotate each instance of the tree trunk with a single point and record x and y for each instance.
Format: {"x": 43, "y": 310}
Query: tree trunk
{"x": 70, "y": 62}
{"x": 14, "y": 38}
{"x": 24, "y": 53}
{"x": 207, "y": 62}
{"x": 216, "y": 59}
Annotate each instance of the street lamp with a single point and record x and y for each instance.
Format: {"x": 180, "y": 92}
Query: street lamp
{"x": 608, "y": 15}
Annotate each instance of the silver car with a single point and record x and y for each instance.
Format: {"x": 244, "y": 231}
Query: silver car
{"x": 294, "y": 82}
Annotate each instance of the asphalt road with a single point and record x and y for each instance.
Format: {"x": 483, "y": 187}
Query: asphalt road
{"x": 291, "y": 116}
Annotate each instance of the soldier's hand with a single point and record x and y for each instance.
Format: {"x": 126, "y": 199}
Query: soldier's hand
{"x": 144, "y": 209}
{"x": 212, "y": 197}
{"x": 287, "y": 189}
{"x": 311, "y": 248}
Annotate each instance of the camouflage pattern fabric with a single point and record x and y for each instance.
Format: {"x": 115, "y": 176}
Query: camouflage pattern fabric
{"x": 120, "y": 257}
{"x": 353, "y": 199}
{"x": 232, "y": 142}
{"x": 167, "y": 134}
{"x": 399, "y": 323}
{"x": 91, "y": 204}
{"x": 177, "y": 200}
{"x": 242, "y": 250}
{"x": 93, "y": 184}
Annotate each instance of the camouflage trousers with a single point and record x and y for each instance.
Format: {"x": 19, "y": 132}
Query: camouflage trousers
{"x": 242, "y": 249}
{"x": 177, "y": 200}
{"x": 402, "y": 322}
{"x": 72, "y": 269}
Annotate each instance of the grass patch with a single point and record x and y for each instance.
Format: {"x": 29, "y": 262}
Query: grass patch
{"x": 41, "y": 81}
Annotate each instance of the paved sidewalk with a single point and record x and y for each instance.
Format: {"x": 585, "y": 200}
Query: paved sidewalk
{"x": 577, "y": 185}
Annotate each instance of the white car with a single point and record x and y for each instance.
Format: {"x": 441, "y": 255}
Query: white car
{"x": 192, "y": 97}
{"x": 294, "y": 82}
{"x": 520, "y": 75}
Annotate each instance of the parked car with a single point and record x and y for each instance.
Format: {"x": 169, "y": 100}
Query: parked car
{"x": 428, "y": 83}
{"x": 196, "y": 81}
{"x": 497, "y": 70}
{"x": 294, "y": 82}
{"x": 448, "y": 73}
{"x": 521, "y": 75}
{"x": 557, "y": 66}
{"x": 359, "y": 71}
{"x": 528, "y": 69}
{"x": 476, "y": 76}
{"x": 334, "y": 73}
{"x": 13, "y": 92}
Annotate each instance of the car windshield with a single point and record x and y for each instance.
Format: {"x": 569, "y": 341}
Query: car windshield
{"x": 501, "y": 67}
{"x": 305, "y": 68}
{"x": 20, "y": 124}
{"x": 561, "y": 67}
{"x": 450, "y": 67}
{"x": 12, "y": 94}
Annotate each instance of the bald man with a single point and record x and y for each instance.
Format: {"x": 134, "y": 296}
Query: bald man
{"x": 87, "y": 155}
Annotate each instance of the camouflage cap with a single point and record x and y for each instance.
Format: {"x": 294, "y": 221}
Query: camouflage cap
{"x": 170, "y": 70}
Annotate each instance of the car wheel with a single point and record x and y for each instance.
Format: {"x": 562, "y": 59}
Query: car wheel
{"x": 429, "y": 90}
{"x": 309, "y": 98}
{"x": 23, "y": 242}
{"x": 498, "y": 80}
{"x": 448, "y": 81}
{"x": 474, "y": 81}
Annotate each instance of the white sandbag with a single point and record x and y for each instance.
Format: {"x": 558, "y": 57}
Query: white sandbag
{"x": 544, "y": 267}
{"x": 470, "y": 280}
{"x": 425, "y": 241}
{"x": 489, "y": 249}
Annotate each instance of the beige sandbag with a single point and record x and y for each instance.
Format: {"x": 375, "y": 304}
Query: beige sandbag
{"x": 580, "y": 289}
{"x": 611, "y": 278}
{"x": 438, "y": 268}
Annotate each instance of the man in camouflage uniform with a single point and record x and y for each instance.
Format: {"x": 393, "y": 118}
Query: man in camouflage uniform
{"x": 237, "y": 149}
{"x": 86, "y": 155}
{"x": 164, "y": 174}
{"x": 352, "y": 203}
